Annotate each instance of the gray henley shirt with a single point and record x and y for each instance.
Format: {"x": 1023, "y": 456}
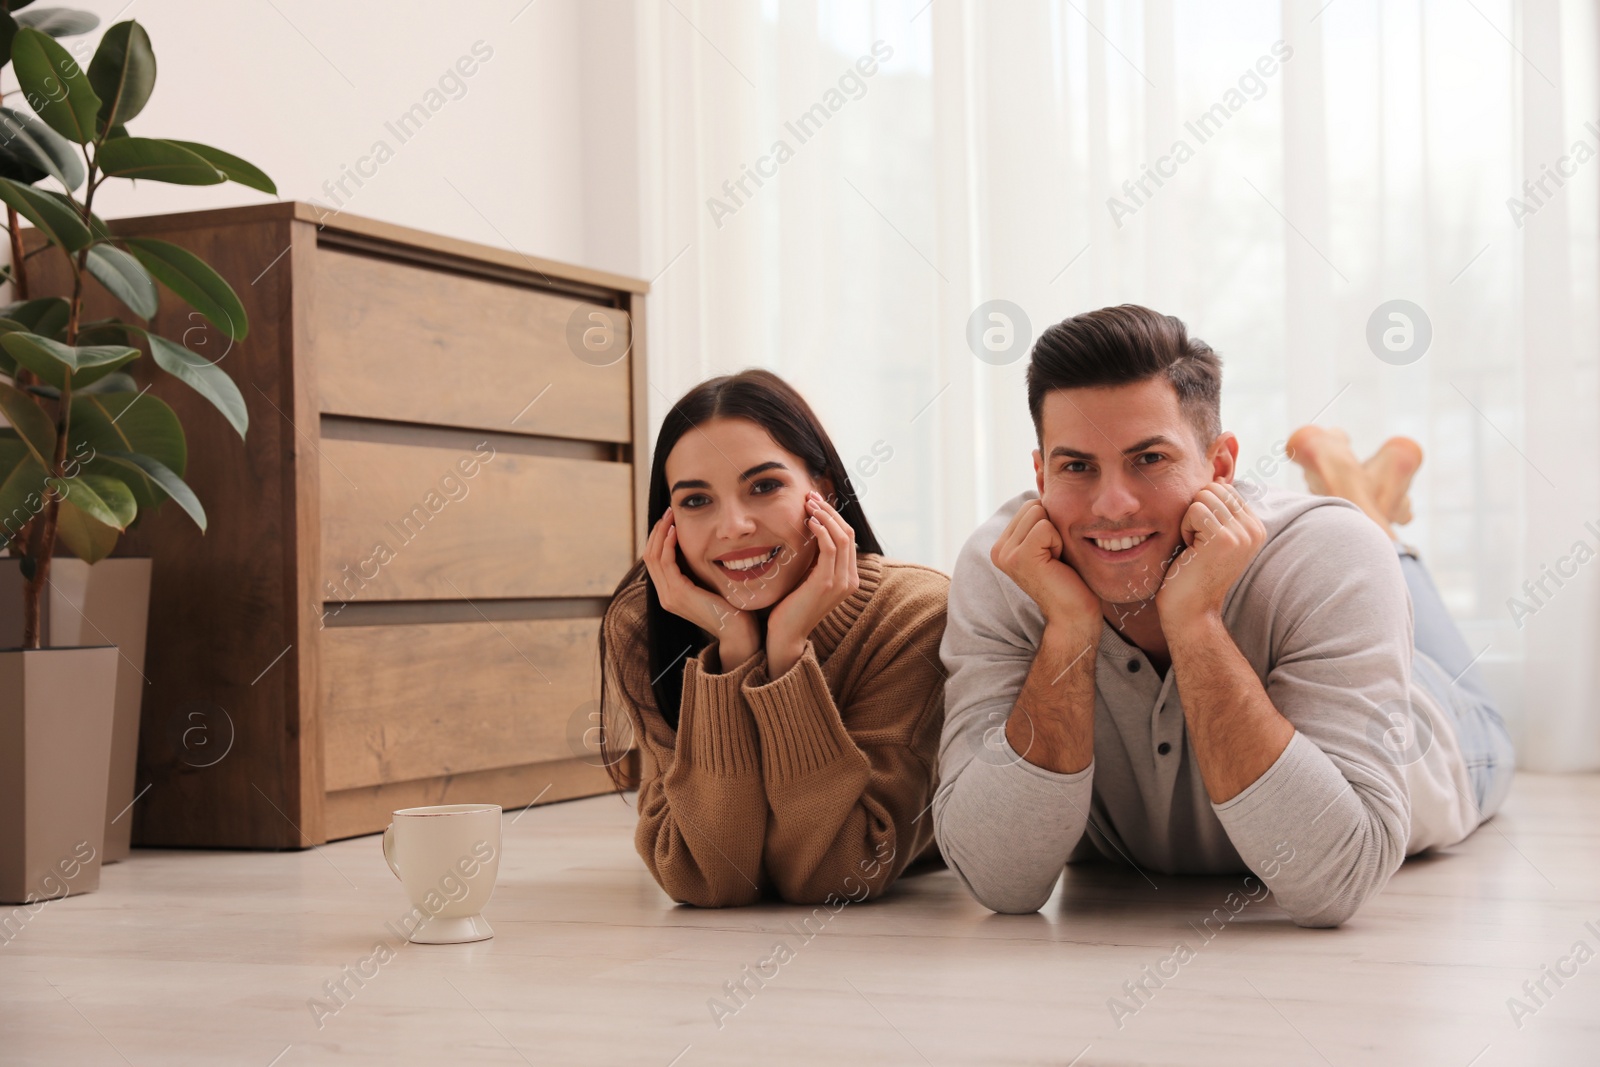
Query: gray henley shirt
{"x": 1324, "y": 618}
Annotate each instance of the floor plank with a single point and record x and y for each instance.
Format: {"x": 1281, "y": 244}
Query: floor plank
{"x": 201, "y": 957}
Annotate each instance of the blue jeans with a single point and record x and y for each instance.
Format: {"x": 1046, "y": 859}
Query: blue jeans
{"x": 1448, "y": 671}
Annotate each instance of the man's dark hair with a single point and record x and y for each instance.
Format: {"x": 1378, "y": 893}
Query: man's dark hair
{"x": 1122, "y": 345}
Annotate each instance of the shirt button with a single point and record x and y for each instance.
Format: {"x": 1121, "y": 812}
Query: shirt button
{"x": 1133, "y": 666}
{"x": 1163, "y": 748}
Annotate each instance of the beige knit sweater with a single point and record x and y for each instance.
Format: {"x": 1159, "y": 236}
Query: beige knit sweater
{"x": 813, "y": 786}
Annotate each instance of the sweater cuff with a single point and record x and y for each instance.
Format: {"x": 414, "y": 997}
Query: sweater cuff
{"x": 801, "y": 731}
{"x": 715, "y": 730}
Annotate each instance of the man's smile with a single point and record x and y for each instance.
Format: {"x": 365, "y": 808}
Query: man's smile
{"x": 1122, "y": 548}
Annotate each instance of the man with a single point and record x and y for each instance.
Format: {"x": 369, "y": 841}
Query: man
{"x": 1190, "y": 675}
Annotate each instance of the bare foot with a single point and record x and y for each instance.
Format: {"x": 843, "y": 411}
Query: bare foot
{"x": 1389, "y": 474}
{"x": 1332, "y": 469}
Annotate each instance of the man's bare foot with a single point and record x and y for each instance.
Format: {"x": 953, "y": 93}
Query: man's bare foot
{"x": 1389, "y": 474}
{"x": 1332, "y": 469}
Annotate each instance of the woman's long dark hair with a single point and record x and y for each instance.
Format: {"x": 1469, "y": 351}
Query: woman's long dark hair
{"x": 771, "y": 403}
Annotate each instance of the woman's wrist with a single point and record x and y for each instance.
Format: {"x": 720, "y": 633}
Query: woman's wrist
{"x": 730, "y": 654}
{"x": 735, "y": 644}
{"x": 782, "y": 656}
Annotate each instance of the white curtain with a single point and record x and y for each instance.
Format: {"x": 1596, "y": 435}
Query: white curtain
{"x": 1273, "y": 172}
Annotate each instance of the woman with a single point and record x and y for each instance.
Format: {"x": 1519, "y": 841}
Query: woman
{"x": 780, "y": 675}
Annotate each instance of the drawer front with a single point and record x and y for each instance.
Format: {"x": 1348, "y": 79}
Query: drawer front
{"x": 405, "y": 702}
{"x": 367, "y": 810}
{"x": 409, "y": 344}
{"x": 409, "y": 522}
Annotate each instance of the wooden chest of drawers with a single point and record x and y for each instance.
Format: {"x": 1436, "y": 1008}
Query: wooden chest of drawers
{"x": 397, "y": 600}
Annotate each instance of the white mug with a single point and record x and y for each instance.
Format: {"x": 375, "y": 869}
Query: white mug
{"x": 447, "y": 857}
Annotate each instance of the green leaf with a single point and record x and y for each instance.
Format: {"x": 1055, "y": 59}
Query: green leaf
{"x": 12, "y": 451}
{"x": 26, "y": 314}
{"x": 99, "y": 496}
{"x": 194, "y": 281}
{"x": 18, "y": 170}
{"x": 85, "y": 537}
{"x": 30, "y": 422}
{"x": 54, "y": 85}
{"x": 170, "y": 483}
{"x": 156, "y": 160}
{"x": 129, "y": 422}
{"x": 123, "y": 73}
{"x": 93, "y": 357}
{"x": 97, "y": 225}
{"x": 25, "y": 480}
{"x": 8, "y": 34}
{"x": 104, "y": 425}
{"x": 40, "y": 354}
{"x": 201, "y": 375}
{"x": 37, "y": 146}
{"x": 115, "y": 382}
{"x": 53, "y": 373}
{"x": 57, "y": 222}
{"x": 104, "y": 332}
{"x": 124, "y": 278}
{"x": 60, "y": 21}
{"x": 52, "y": 360}
{"x": 15, "y": 458}
{"x": 46, "y": 315}
{"x": 42, "y": 362}
{"x": 87, "y": 376}
{"x": 8, "y": 366}
{"x": 40, "y": 350}
{"x": 236, "y": 169}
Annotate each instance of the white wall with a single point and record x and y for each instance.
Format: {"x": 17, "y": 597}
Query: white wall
{"x": 304, "y": 89}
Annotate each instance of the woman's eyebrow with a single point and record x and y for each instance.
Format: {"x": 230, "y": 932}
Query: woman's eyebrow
{"x": 759, "y": 468}
{"x": 771, "y": 465}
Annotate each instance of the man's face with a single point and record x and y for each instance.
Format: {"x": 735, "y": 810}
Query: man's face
{"x": 1118, "y": 467}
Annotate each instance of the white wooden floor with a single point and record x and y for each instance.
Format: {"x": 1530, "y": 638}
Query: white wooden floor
{"x": 187, "y": 957}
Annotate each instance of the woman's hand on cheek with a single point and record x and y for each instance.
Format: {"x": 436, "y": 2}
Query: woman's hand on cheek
{"x": 734, "y": 631}
{"x": 833, "y": 577}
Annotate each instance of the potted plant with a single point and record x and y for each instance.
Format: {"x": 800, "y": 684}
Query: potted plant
{"x": 86, "y": 451}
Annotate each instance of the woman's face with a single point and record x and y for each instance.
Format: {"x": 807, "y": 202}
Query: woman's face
{"x": 739, "y": 503}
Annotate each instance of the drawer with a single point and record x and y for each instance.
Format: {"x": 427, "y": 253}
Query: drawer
{"x": 367, "y": 809}
{"x": 402, "y": 342}
{"x": 404, "y": 702}
{"x": 407, "y": 522}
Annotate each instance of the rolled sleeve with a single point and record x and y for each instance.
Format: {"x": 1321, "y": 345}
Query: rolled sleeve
{"x": 1005, "y": 826}
{"x": 1335, "y": 800}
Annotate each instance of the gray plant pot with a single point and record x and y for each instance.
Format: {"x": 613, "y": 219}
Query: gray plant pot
{"x": 107, "y": 603}
{"x": 56, "y": 711}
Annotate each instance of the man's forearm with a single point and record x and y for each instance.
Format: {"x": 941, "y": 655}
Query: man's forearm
{"x": 1052, "y": 722}
{"x": 1236, "y": 732}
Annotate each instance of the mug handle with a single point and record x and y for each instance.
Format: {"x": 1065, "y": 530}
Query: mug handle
{"x": 388, "y": 849}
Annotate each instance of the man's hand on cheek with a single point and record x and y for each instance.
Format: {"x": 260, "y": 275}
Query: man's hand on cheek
{"x": 1029, "y": 553}
{"x": 1222, "y": 536}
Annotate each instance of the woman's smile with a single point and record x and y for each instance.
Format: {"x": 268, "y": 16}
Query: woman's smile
{"x": 749, "y": 563}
